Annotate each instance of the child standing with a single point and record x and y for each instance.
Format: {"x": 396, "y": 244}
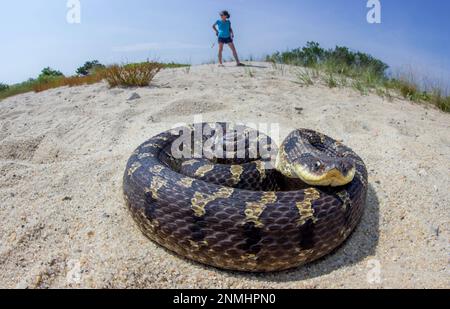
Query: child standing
{"x": 225, "y": 35}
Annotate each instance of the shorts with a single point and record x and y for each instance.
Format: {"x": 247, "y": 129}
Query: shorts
{"x": 225, "y": 40}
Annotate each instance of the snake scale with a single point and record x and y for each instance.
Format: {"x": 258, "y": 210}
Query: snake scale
{"x": 246, "y": 212}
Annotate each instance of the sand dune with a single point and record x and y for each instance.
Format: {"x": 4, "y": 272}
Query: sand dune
{"x": 63, "y": 152}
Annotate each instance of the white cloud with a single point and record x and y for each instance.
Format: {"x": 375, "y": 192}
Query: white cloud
{"x": 156, "y": 46}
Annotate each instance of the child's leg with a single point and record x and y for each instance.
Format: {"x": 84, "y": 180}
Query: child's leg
{"x": 220, "y": 52}
{"x": 235, "y": 55}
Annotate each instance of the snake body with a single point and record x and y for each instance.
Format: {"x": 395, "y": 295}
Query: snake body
{"x": 238, "y": 214}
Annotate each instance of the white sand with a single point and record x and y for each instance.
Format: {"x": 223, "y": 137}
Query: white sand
{"x": 63, "y": 152}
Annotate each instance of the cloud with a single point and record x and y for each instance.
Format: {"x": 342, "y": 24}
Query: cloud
{"x": 156, "y": 46}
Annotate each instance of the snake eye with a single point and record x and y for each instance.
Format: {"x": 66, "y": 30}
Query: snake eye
{"x": 317, "y": 165}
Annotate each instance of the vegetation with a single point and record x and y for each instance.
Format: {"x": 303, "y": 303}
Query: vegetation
{"x": 339, "y": 60}
{"x": 173, "y": 65}
{"x": 49, "y": 72}
{"x": 3, "y": 87}
{"x": 16, "y": 89}
{"x": 339, "y": 66}
{"x": 134, "y": 74}
{"x": 89, "y": 68}
{"x": 249, "y": 72}
{"x": 66, "y": 81}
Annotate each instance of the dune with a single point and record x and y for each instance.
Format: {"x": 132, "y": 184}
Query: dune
{"x": 63, "y": 153}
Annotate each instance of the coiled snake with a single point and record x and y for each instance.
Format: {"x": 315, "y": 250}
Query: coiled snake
{"x": 237, "y": 212}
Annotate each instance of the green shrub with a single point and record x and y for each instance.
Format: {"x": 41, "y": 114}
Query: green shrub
{"x": 89, "y": 67}
{"x": 3, "y": 87}
{"x": 49, "y": 73}
{"x": 339, "y": 60}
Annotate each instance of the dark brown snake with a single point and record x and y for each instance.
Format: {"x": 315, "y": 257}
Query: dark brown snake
{"x": 239, "y": 214}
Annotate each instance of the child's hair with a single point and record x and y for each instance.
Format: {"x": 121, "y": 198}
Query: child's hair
{"x": 225, "y": 13}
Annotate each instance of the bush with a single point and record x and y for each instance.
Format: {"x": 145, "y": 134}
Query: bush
{"x": 49, "y": 72}
{"x": 132, "y": 75}
{"x": 89, "y": 68}
{"x": 3, "y": 87}
{"x": 366, "y": 73}
{"x": 339, "y": 60}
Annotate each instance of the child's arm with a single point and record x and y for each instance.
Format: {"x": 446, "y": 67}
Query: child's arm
{"x": 215, "y": 29}
{"x": 231, "y": 32}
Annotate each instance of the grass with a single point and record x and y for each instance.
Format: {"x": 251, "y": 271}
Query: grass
{"x": 173, "y": 65}
{"x": 330, "y": 81}
{"x": 305, "y": 77}
{"x": 360, "y": 87}
{"x": 342, "y": 67}
{"x": 128, "y": 75}
{"x": 131, "y": 75}
{"x": 279, "y": 67}
{"x": 187, "y": 69}
{"x": 71, "y": 81}
{"x": 16, "y": 89}
{"x": 250, "y": 72}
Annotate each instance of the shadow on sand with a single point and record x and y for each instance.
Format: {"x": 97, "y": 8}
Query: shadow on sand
{"x": 253, "y": 66}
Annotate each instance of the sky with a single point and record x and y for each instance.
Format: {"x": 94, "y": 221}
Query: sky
{"x": 413, "y": 34}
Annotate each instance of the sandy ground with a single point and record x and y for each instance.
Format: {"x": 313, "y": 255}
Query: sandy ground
{"x": 63, "y": 152}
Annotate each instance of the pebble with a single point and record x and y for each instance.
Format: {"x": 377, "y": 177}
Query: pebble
{"x": 134, "y": 96}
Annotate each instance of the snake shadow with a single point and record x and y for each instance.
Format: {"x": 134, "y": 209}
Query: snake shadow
{"x": 362, "y": 243}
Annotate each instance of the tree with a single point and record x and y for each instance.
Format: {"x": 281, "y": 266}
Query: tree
{"x": 89, "y": 67}
{"x": 49, "y": 72}
{"x": 3, "y": 87}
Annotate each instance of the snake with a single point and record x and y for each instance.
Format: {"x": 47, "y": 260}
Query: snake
{"x": 227, "y": 196}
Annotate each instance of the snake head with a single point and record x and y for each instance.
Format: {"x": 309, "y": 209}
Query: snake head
{"x": 318, "y": 170}
{"x": 324, "y": 171}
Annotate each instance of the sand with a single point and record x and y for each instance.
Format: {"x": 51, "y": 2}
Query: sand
{"x": 63, "y": 153}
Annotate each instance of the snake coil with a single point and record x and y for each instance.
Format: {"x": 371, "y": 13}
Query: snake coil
{"x": 239, "y": 214}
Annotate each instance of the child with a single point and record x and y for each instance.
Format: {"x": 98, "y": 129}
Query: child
{"x": 225, "y": 35}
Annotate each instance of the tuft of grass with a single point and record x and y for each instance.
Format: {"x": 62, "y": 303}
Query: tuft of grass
{"x": 187, "y": 69}
{"x": 384, "y": 93}
{"x": 360, "y": 87}
{"x": 305, "y": 77}
{"x": 279, "y": 67}
{"x": 330, "y": 81}
{"x": 249, "y": 72}
{"x": 132, "y": 75}
{"x": 343, "y": 82}
{"x": 443, "y": 103}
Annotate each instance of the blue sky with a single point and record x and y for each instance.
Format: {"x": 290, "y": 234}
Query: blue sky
{"x": 35, "y": 34}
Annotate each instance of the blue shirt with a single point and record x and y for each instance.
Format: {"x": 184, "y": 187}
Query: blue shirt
{"x": 224, "y": 28}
